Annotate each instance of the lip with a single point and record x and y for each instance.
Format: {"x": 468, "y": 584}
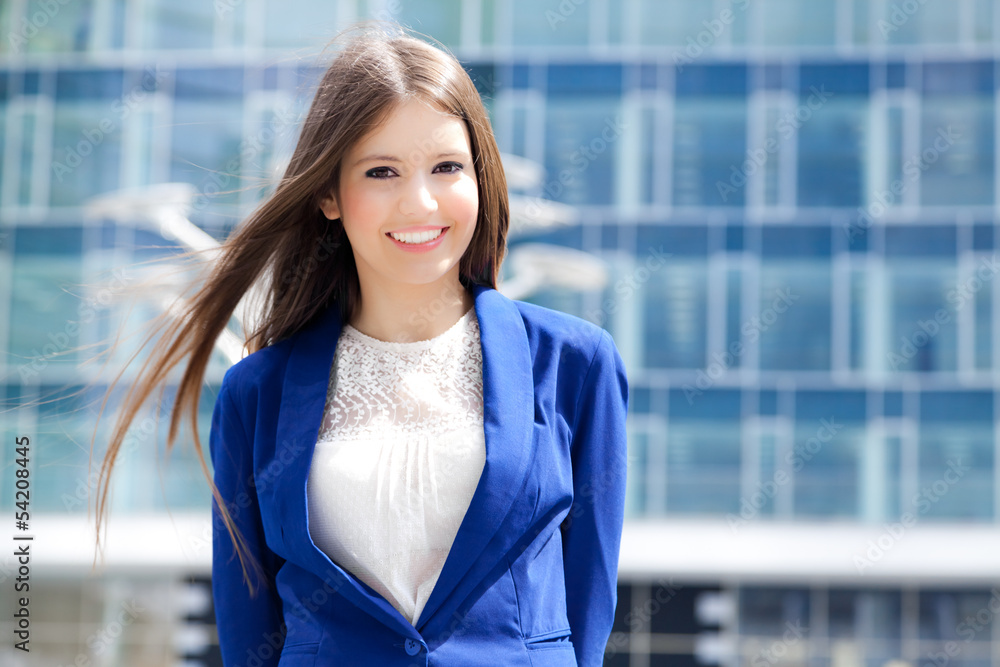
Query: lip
{"x": 423, "y": 247}
{"x": 417, "y": 228}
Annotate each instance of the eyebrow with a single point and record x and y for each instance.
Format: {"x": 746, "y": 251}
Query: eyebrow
{"x": 392, "y": 158}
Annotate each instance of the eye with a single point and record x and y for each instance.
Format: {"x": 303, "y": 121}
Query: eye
{"x": 450, "y": 167}
{"x": 379, "y": 173}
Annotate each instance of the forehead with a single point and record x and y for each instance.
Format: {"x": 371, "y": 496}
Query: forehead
{"x": 414, "y": 130}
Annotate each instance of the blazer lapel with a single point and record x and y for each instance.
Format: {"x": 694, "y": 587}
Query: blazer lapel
{"x": 508, "y": 415}
{"x": 508, "y": 418}
{"x": 303, "y": 400}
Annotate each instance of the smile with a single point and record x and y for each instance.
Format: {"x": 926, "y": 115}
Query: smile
{"x": 417, "y": 238}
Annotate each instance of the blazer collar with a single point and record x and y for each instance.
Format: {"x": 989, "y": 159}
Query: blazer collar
{"x": 508, "y": 415}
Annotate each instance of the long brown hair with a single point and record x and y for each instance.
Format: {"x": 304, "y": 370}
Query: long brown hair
{"x": 378, "y": 66}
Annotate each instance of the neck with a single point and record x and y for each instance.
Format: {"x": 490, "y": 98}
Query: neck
{"x": 411, "y": 312}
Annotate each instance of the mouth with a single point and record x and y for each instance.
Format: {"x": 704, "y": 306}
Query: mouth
{"x": 417, "y": 238}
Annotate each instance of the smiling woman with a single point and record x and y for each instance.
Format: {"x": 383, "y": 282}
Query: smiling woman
{"x": 410, "y": 467}
{"x": 408, "y": 203}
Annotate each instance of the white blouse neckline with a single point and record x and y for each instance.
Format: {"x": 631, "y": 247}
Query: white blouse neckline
{"x": 454, "y": 329}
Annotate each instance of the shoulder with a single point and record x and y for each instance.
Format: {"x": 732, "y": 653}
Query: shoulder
{"x": 565, "y": 334}
{"x": 257, "y": 372}
{"x": 574, "y": 359}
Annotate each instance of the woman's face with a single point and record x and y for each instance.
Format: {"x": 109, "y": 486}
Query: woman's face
{"x": 408, "y": 199}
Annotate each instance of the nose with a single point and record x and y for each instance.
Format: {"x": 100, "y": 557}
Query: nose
{"x": 417, "y": 200}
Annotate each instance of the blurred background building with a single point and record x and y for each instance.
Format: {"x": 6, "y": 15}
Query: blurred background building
{"x": 795, "y": 202}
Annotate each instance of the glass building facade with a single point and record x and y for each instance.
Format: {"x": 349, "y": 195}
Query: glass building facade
{"x": 796, "y": 203}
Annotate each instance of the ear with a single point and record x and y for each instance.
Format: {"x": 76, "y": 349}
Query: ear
{"x": 329, "y": 207}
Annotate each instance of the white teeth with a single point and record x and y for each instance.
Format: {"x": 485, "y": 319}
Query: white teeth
{"x": 417, "y": 237}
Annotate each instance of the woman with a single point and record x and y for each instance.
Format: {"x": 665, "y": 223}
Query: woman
{"x": 409, "y": 468}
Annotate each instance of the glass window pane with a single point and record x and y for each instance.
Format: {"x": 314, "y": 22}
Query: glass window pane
{"x": 675, "y": 309}
{"x": 831, "y": 149}
{"x": 3, "y": 133}
{"x": 488, "y": 13}
{"x": 983, "y": 327}
{"x": 793, "y": 22}
{"x": 648, "y": 155}
{"x": 180, "y": 24}
{"x": 49, "y": 25}
{"x": 944, "y": 614}
{"x": 709, "y": 146}
{"x": 20, "y": 189}
{"x": 45, "y": 314}
{"x": 86, "y": 140}
{"x": 774, "y": 163}
{"x": 892, "y": 479}
{"x": 703, "y": 465}
{"x": 956, "y": 159}
{"x": 61, "y": 451}
{"x": 866, "y": 614}
{"x": 861, "y": 25}
{"x": 439, "y": 19}
{"x": 581, "y": 148}
{"x": 826, "y": 455}
{"x": 982, "y": 20}
{"x": 768, "y": 612}
{"x": 550, "y": 24}
{"x": 310, "y": 26}
{"x": 638, "y": 469}
{"x": 922, "y": 328}
{"x": 858, "y": 324}
{"x": 923, "y": 23}
{"x": 734, "y": 301}
{"x": 145, "y": 478}
{"x": 956, "y": 471}
{"x": 672, "y": 22}
{"x": 206, "y": 148}
{"x": 793, "y": 318}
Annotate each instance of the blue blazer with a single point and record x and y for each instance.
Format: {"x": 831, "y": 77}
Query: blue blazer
{"x": 531, "y": 576}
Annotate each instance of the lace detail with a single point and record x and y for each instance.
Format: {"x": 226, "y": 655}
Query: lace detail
{"x": 430, "y": 387}
{"x": 399, "y": 458}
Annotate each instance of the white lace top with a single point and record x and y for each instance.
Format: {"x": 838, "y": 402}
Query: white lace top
{"x": 398, "y": 457}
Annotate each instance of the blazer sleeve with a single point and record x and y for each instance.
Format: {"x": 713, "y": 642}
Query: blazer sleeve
{"x": 592, "y": 530}
{"x": 248, "y": 627}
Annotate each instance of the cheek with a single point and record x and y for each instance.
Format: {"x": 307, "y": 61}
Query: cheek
{"x": 464, "y": 201}
{"x": 363, "y": 210}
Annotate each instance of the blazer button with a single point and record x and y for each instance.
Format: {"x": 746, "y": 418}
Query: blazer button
{"x": 412, "y": 647}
